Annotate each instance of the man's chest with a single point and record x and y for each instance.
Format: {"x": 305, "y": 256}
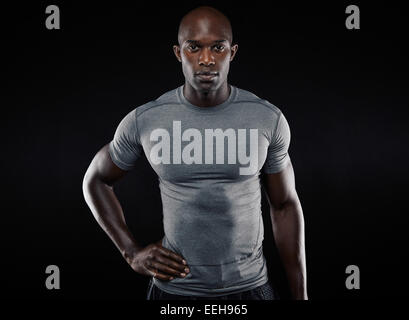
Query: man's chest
{"x": 189, "y": 148}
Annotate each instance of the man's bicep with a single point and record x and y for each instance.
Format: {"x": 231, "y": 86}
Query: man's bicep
{"x": 280, "y": 186}
{"x": 104, "y": 169}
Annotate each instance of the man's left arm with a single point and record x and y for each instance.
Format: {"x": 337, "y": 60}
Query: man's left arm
{"x": 288, "y": 227}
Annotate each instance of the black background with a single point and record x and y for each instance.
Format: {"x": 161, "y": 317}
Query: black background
{"x": 344, "y": 94}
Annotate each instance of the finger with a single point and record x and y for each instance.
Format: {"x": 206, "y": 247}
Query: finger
{"x": 166, "y": 269}
{"x": 170, "y": 254}
{"x": 158, "y": 275}
{"x": 171, "y": 263}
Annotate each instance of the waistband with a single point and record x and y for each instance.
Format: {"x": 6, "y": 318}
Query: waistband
{"x": 217, "y": 280}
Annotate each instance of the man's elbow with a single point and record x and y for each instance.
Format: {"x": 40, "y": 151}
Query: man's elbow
{"x": 290, "y": 204}
{"x": 283, "y": 200}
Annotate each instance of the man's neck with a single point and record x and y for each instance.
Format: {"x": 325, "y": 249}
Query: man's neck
{"x": 206, "y": 98}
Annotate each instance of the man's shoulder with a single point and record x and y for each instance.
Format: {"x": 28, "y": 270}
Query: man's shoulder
{"x": 246, "y": 97}
{"x": 167, "y": 98}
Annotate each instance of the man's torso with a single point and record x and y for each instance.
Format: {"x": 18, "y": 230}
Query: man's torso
{"x": 208, "y": 160}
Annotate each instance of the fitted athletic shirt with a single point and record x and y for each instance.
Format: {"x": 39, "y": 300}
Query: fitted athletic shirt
{"x": 208, "y": 161}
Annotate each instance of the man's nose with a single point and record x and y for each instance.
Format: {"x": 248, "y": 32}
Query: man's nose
{"x": 206, "y": 58}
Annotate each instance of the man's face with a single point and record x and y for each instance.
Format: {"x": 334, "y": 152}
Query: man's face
{"x": 205, "y": 53}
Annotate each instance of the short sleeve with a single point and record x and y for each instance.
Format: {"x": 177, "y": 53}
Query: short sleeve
{"x": 125, "y": 148}
{"x": 277, "y": 153}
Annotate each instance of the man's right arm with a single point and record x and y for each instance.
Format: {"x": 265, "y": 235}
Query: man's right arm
{"x": 153, "y": 260}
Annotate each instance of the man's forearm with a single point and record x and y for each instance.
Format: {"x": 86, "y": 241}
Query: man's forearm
{"x": 288, "y": 228}
{"x": 107, "y": 210}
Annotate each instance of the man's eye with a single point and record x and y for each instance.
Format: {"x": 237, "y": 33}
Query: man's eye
{"x": 219, "y": 47}
{"x": 192, "y": 47}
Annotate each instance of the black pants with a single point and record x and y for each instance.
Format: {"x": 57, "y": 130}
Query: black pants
{"x": 264, "y": 292}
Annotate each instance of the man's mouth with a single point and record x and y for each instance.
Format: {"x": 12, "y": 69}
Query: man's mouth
{"x": 206, "y": 75}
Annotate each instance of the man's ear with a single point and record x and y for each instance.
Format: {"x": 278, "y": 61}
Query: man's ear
{"x": 176, "y": 50}
{"x": 233, "y": 51}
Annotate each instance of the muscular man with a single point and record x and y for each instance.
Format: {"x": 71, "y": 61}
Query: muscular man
{"x": 207, "y": 141}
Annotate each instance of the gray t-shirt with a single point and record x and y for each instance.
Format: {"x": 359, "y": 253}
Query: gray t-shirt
{"x": 208, "y": 160}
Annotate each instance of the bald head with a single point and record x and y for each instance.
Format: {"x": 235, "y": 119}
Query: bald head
{"x": 204, "y": 20}
{"x": 205, "y": 50}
